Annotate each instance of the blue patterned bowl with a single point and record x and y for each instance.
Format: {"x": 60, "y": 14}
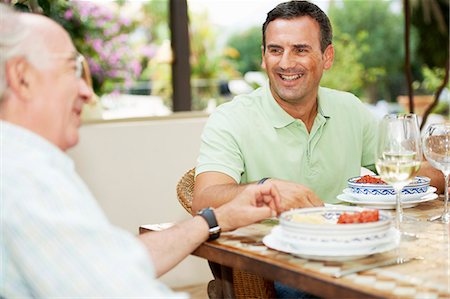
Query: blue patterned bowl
{"x": 419, "y": 185}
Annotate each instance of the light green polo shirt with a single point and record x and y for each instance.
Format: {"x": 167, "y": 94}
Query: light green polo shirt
{"x": 252, "y": 137}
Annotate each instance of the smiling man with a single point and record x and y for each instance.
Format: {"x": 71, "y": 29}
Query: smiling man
{"x": 305, "y": 139}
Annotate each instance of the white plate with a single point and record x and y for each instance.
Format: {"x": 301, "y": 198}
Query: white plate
{"x": 273, "y": 242}
{"x": 385, "y": 205}
{"x": 331, "y": 243}
{"x": 386, "y": 198}
{"x": 327, "y": 218}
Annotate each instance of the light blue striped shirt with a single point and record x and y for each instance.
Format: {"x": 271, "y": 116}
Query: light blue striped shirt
{"x": 55, "y": 241}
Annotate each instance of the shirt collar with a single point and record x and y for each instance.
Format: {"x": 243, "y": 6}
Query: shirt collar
{"x": 280, "y": 118}
{"x": 323, "y": 107}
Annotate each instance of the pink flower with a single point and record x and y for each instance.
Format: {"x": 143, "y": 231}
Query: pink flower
{"x": 97, "y": 44}
{"x": 125, "y": 22}
{"x": 68, "y": 14}
{"x": 136, "y": 68}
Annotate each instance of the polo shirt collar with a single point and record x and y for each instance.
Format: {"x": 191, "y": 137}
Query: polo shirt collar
{"x": 280, "y": 118}
{"x": 324, "y": 107}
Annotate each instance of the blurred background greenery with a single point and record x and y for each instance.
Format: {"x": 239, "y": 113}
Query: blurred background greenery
{"x": 127, "y": 45}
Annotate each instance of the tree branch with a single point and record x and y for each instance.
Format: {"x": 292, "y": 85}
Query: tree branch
{"x": 408, "y": 72}
{"x": 437, "y": 94}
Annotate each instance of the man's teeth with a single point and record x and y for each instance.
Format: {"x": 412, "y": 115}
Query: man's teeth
{"x": 292, "y": 77}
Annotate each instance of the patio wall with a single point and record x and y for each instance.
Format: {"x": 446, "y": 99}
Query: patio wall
{"x": 132, "y": 168}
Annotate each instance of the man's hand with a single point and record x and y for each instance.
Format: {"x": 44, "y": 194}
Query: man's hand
{"x": 294, "y": 195}
{"x": 254, "y": 203}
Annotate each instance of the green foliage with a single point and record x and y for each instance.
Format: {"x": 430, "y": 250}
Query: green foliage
{"x": 346, "y": 72}
{"x": 432, "y": 79}
{"x": 101, "y": 34}
{"x": 382, "y": 28}
{"x": 21, "y": 7}
{"x": 45, "y": 5}
{"x": 114, "y": 61}
{"x": 37, "y": 6}
{"x": 207, "y": 64}
{"x": 248, "y": 45}
{"x": 156, "y": 19}
{"x": 431, "y": 18}
{"x": 377, "y": 34}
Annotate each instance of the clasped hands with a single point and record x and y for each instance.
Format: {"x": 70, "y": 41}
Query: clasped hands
{"x": 257, "y": 202}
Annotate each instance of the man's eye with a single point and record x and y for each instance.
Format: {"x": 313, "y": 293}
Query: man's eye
{"x": 275, "y": 51}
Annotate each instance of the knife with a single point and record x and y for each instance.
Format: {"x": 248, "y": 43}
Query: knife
{"x": 390, "y": 262}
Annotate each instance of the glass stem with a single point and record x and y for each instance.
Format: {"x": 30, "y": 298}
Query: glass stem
{"x": 398, "y": 210}
{"x": 445, "y": 214}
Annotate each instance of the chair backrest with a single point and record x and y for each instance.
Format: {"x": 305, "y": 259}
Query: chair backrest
{"x": 185, "y": 189}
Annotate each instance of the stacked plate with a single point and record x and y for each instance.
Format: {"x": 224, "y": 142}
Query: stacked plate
{"x": 313, "y": 233}
{"x": 381, "y": 196}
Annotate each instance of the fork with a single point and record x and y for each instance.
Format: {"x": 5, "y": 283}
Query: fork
{"x": 390, "y": 262}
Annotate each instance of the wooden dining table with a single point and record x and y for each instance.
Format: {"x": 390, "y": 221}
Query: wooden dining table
{"x": 426, "y": 278}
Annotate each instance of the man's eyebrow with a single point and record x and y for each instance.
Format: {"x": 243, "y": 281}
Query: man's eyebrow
{"x": 302, "y": 46}
{"x": 273, "y": 46}
{"x": 69, "y": 56}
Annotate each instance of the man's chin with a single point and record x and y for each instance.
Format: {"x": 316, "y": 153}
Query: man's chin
{"x": 70, "y": 144}
{"x": 291, "y": 98}
{"x": 71, "y": 139}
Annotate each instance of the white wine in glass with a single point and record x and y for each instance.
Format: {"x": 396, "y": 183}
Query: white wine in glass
{"x": 436, "y": 147}
{"x": 399, "y": 154}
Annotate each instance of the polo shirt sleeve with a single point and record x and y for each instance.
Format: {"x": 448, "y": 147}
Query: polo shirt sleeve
{"x": 370, "y": 136}
{"x": 219, "y": 150}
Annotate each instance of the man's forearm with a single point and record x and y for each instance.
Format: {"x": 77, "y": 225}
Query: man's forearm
{"x": 215, "y": 196}
{"x": 436, "y": 176}
{"x": 168, "y": 247}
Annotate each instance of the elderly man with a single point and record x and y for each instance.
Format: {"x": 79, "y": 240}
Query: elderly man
{"x": 55, "y": 240}
{"x": 306, "y": 139}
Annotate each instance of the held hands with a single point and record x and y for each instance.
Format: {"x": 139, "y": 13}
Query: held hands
{"x": 294, "y": 195}
{"x": 254, "y": 203}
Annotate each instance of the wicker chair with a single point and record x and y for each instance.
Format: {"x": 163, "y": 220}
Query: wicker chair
{"x": 246, "y": 284}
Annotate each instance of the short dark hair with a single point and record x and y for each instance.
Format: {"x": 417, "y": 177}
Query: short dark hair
{"x": 294, "y": 9}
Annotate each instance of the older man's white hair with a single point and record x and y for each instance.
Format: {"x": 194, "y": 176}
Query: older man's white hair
{"x": 17, "y": 40}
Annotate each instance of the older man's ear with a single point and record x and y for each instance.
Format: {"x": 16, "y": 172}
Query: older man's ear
{"x": 19, "y": 77}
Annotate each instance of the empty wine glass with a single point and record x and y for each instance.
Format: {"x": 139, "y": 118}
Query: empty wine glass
{"x": 399, "y": 154}
{"x": 436, "y": 147}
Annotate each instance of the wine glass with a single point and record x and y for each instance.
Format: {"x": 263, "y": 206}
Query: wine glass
{"x": 436, "y": 147}
{"x": 399, "y": 154}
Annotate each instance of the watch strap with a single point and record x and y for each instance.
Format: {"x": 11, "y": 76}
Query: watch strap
{"x": 210, "y": 218}
{"x": 261, "y": 181}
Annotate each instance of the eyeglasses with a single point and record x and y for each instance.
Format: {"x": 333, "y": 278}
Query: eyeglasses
{"x": 81, "y": 67}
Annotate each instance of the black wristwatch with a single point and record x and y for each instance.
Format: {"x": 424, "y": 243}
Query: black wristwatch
{"x": 210, "y": 217}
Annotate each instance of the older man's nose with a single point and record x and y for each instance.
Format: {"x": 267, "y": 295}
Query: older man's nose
{"x": 86, "y": 93}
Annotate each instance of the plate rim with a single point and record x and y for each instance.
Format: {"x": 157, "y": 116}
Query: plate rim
{"x": 386, "y": 204}
{"x": 387, "y": 236}
{"x": 331, "y": 257}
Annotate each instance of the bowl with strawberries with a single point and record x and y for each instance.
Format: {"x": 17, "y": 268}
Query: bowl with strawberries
{"x": 374, "y": 185}
{"x": 343, "y": 220}
{"x": 333, "y": 233}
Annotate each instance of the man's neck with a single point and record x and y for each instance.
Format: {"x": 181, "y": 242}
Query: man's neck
{"x": 304, "y": 111}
